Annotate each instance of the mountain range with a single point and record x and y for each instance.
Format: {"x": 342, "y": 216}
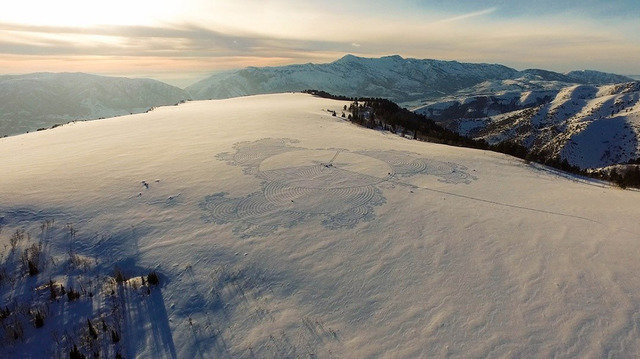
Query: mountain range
{"x": 589, "y": 126}
{"x": 41, "y": 100}
{"x": 401, "y": 80}
{"x": 539, "y": 109}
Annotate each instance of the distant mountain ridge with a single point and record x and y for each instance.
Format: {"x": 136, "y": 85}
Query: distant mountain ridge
{"x": 589, "y": 126}
{"x": 40, "y": 100}
{"x": 484, "y": 101}
{"x": 402, "y": 80}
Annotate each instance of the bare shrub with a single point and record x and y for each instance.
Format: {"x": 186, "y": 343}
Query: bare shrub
{"x": 79, "y": 262}
{"x": 72, "y": 295}
{"x": 16, "y": 238}
{"x": 92, "y": 330}
{"x": 153, "y": 279}
{"x": 76, "y": 354}
{"x": 4, "y": 313}
{"x": 31, "y": 259}
{"x": 119, "y": 275}
{"x": 115, "y": 337}
{"x": 53, "y": 293}
{"x": 14, "y": 330}
{"x": 3, "y": 276}
{"x": 38, "y": 319}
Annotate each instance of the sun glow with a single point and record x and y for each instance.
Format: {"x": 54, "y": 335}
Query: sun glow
{"x": 276, "y": 32}
{"x": 82, "y": 13}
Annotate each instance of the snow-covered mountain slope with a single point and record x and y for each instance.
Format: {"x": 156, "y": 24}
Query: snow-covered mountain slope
{"x": 589, "y": 126}
{"x": 578, "y": 76}
{"x": 596, "y": 77}
{"x": 408, "y": 81}
{"x": 280, "y": 231}
{"x": 527, "y": 89}
{"x": 40, "y": 100}
{"x": 391, "y": 77}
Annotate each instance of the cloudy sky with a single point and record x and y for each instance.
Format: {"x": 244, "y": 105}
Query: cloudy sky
{"x": 181, "y": 41}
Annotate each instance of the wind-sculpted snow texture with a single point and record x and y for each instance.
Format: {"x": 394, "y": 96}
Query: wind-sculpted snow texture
{"x": 337, "y": 185}
{"x": 320, "y": 239}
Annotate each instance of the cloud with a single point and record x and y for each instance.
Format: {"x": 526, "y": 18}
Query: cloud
{"x": 177, "y": 54}
{"x": 313, "y": 33}
{"x": 175, "y": 41}
{"x": 468, "y": 16}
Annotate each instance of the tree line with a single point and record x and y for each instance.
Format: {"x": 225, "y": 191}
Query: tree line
{"x": 386, "y": 115}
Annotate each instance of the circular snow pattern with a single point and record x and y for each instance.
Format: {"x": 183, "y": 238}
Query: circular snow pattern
{"x": 336, "y": 184}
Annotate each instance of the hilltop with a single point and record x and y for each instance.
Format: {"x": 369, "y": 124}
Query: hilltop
{"x": 277, "y": 230}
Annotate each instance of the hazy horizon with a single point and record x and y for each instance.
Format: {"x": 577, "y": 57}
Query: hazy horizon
{"x": 183, "y": 42}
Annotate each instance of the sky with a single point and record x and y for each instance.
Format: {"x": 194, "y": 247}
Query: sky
{"x": 183, "y": 41}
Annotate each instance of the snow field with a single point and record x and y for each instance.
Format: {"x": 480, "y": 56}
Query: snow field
{"x": 396, "y": 248}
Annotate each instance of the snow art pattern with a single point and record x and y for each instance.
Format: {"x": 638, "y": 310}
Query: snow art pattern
{"x": 337, "y": 185}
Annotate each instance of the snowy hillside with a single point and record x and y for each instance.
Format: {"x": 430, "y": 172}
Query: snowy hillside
{"x": 408, "y": 81}
{"x": 41, "y": 100}
{"x": 527, "y": 89}
{"x": 590, "y": 126}
{"x": 276, "y": 230}
{"x": 596, "y": 77}
{"x": 390, "y": 77}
